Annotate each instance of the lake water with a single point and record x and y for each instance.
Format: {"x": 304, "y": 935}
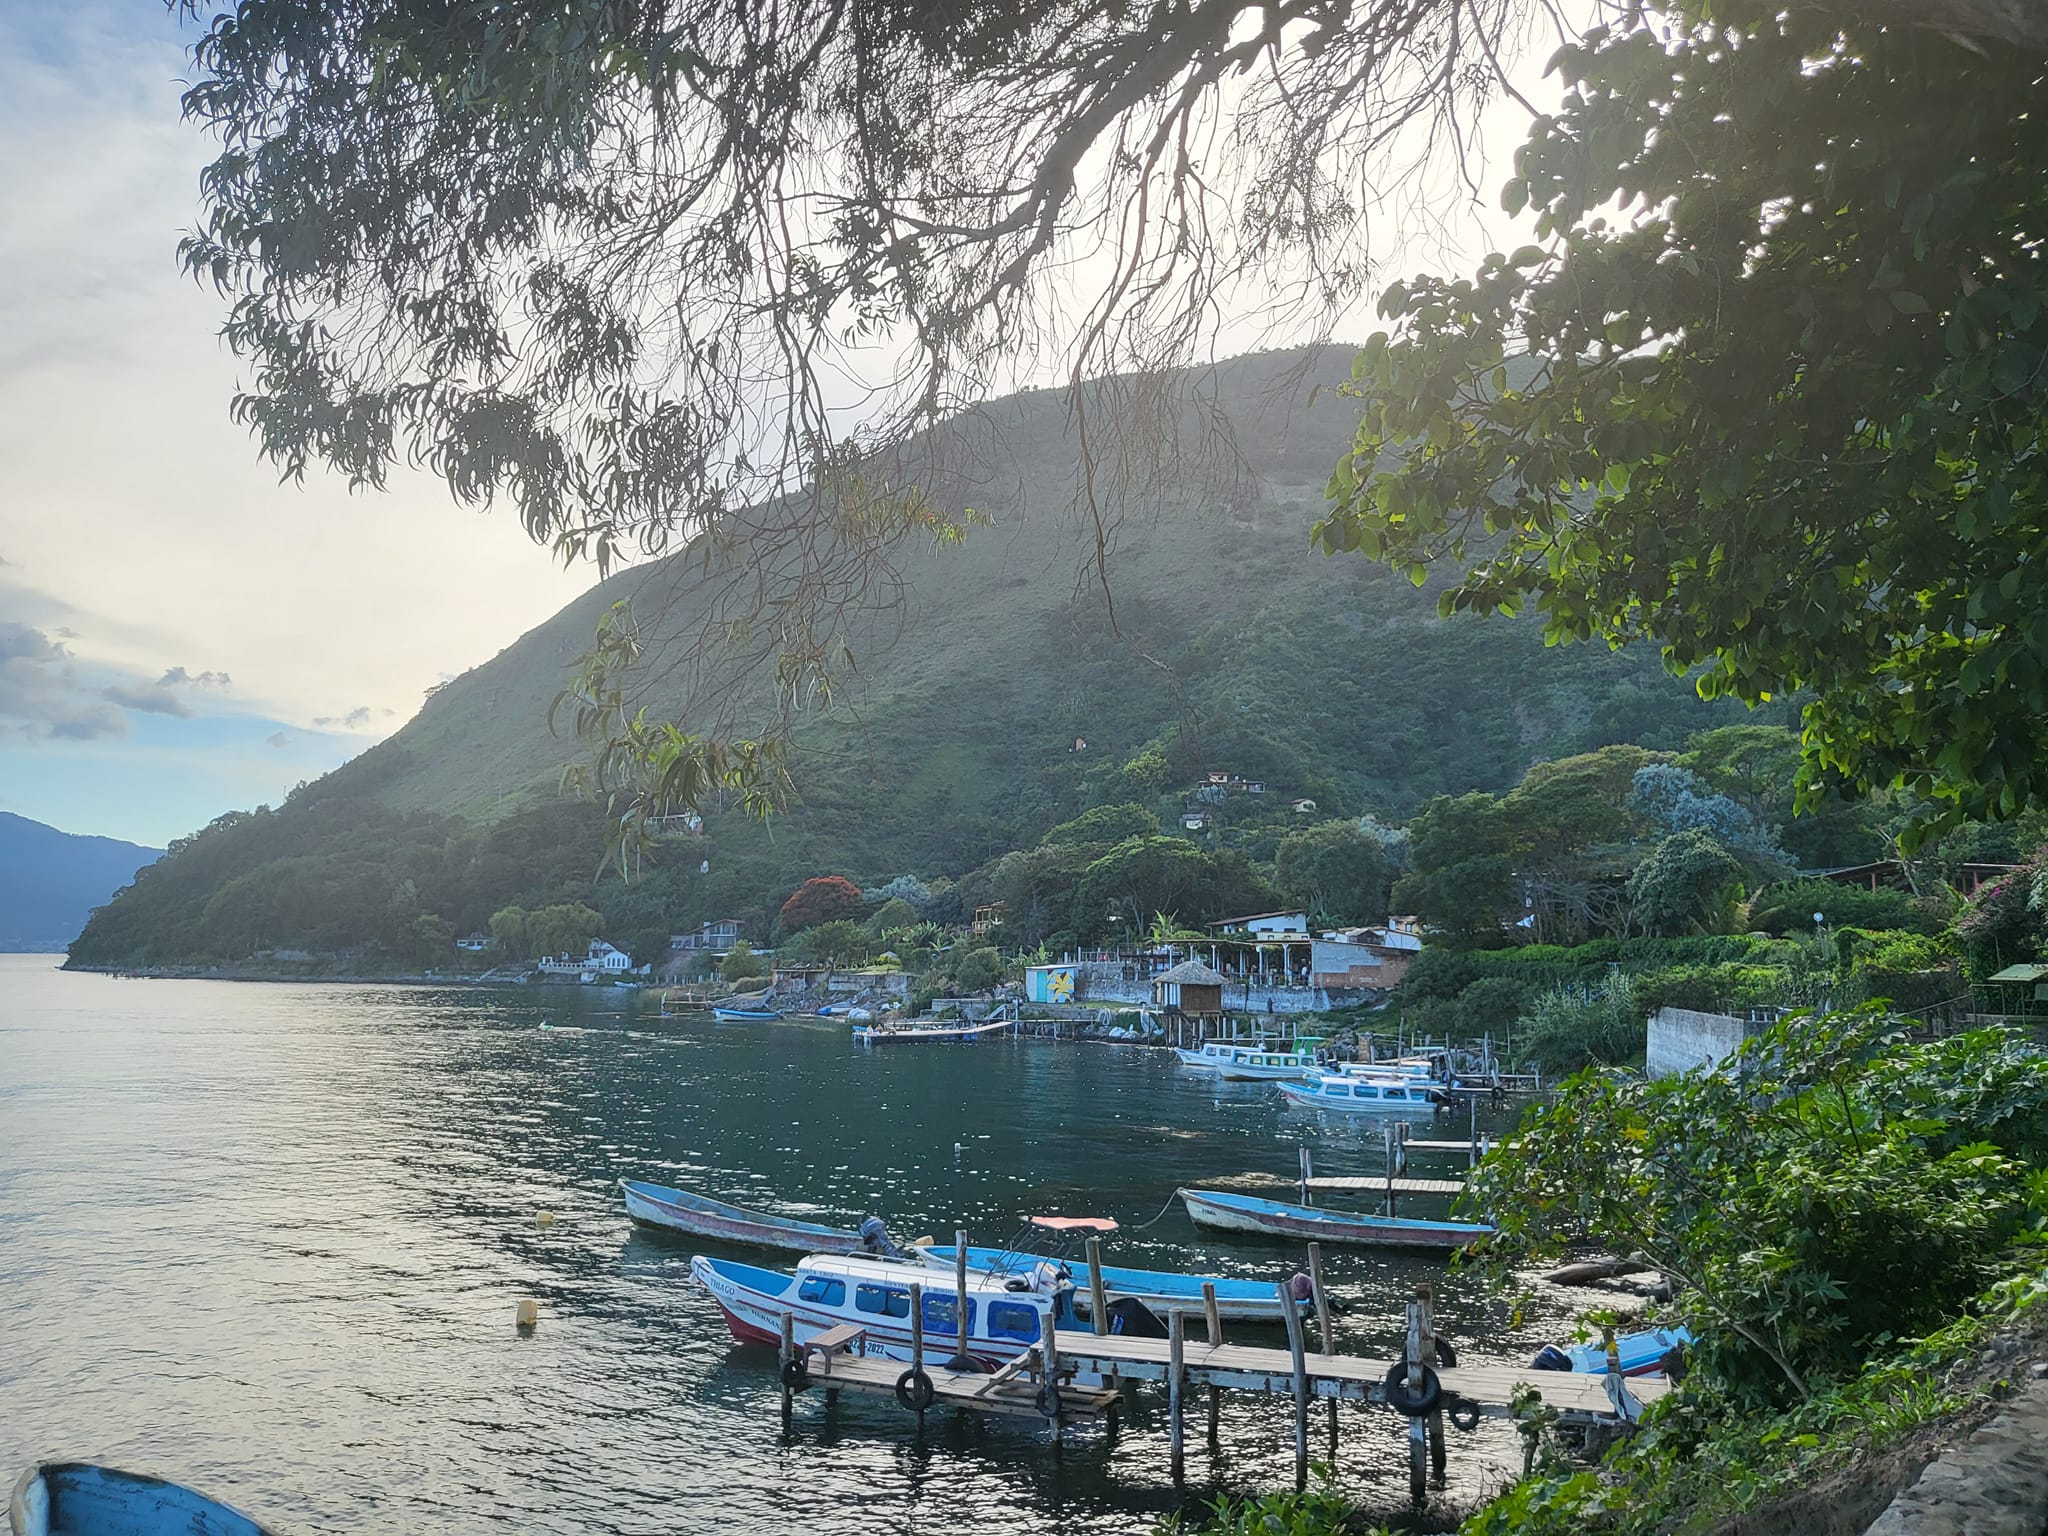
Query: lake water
{"x": 269, "y": 1240}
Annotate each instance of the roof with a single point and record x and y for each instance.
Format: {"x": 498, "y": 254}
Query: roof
{"x": 2023, "y": 973}
{"x": 1190, "y": 973}
{"x": 1253, "y": 917}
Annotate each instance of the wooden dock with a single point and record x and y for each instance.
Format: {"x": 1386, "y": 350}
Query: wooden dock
{"x": 1365, "y": 1183}
{"x": 1040, "y": 1381}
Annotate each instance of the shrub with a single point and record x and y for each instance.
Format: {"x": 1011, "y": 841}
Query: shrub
{"x": 822, "y": 899}
{"x": 1789, "y": 905}
{"x": 741, "y": 963}
{"x": 1567, "y": 1030}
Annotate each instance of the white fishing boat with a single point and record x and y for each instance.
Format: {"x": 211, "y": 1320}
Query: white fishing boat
{"x": 1254, "y": 1061}
{"x": 1341, "y": 1091}
{"x": 1419, "y": 1069}
{"x": 928, "y": 1032}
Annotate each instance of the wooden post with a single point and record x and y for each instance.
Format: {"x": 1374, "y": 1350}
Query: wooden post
{"x": 1387, "y": 1141}
{"x": 960, "y": 1362}
{"x": 917, "y": 1335}
{"x": 1299, "y": 1351}
{"x": 1176, "y": 1369}
{"x": 1213, "y": 1319}
{"x": 1325, "y": 1335}
{"x": 1418, "y": 1430}
{"x": 1308, "y": 1171}
{"x": 786, "y": 1352}
{"x": 1052, "y": 1369}
{"x": 1098, "y": 1294}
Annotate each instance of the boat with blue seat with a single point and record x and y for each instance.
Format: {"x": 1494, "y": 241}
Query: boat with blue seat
{"x": 82, "y": 1498}
{"x": 1356, "y": 1094}
{"x": 1647, "y": 1352}
{"x": 1254, "y": 1061}
{"x": 1274, "y": 1218}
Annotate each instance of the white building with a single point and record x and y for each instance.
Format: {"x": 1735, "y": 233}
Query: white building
{"x": 1295, "y": 923}
{"x": 601, "y": 959}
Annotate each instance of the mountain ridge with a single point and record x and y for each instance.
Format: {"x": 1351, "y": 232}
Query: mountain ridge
{"x": 50, "y": 880}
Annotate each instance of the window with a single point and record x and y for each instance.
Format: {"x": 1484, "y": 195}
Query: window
{"x": 941, "y": 1314}
{"x": 824, "y": 1289}
{"x": 882, "y": 1300}
{"x": 1397, "y": 1093}
{"x": 1013, "y": 1320}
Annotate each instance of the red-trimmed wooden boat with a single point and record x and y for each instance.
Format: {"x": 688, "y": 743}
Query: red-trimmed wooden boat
{"x": 1271, "y": 1218}
{"x": 678, "y": 1210}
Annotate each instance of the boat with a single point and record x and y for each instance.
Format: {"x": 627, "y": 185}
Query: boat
{"x": 1160, "y": 1290}
{"x": 678, "y": 1210}
{"x": 1341, "y": 1091}
{"x": 82, "y": 1498}
{"x": 927, "y": 1032}
{"x": 1255, "y": 1061}
{"x": 734, "y": 1015}
{"x": 1004, "y": 1317}
{"x": 1420, "y": 1069}
{"x": 1649, "y": 1352}
{"x": 1272, "y": 1218}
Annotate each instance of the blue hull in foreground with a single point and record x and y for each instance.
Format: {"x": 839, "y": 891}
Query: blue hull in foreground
{"x": 79, "y": 1498}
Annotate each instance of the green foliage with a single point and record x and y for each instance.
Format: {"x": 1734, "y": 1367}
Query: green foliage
{"x": 841, "y": 941}
{"x": 1567, "y": 1029}
{"x": 1834, "y": 1187}
{"x": 821, "y": 899}
{"x": 1842, "y": 493}
{"x": 892, "y": 916}
{"x": 433, "y": 939}
{"x": 1319, "y": 1510}
{"x": 1689, "y": 884}
{"x": 2007, "y": 921}
{"x": 1787, "y": 906}
{"x": 1335, "y": 871}
{"x": 1104, "y": 825}
{"x": 1461, "y": 875}
{"x": 740, "y": 963}
{"x": 565, "y": 929}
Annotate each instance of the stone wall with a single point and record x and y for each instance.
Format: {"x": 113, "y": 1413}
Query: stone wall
{"x": 1681, "y": 1039}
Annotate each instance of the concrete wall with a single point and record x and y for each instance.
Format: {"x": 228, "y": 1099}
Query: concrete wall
{"x": 1681, "y": 1039}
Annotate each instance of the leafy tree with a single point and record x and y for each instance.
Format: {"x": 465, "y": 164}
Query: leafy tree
{"x": 510, "y": 927}
{"x": 977, "y": 970}
{"x": 1678, "y": 800}
{"x": 1787, "y": 906}
{"x": 838, "y": 942}
{"x": 821, "y": 899}
{"x": 1689, "y": 884}
{"x": 566, "y": 928}
{"x": 1335, "y": 870}
{"x": 1461, "y": 876}
{"x": 1104, "y": 824}
{"x": 1144, "y": 776}
{"x": 1840, "y": 492}
{"x": 891, "y": 916}
{"x": 905, "y": 888}
{"x": 433, "y": 938}
{"x": 740, "y": 963}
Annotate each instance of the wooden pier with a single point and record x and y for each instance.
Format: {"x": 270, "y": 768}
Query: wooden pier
{"x": 1039, "y": 1383}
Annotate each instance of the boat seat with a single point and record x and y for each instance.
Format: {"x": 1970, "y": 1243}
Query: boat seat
{"x": 841, "y": 1338}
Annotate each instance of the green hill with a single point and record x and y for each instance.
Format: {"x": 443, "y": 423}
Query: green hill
{"x": 1239, "y": 650}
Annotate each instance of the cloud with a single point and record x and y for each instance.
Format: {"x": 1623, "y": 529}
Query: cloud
{"x": 277, "y": 739}
{"x": 162, "y": 697}
{"x": 354, "y": 720}
{"x": 40, "y": 695}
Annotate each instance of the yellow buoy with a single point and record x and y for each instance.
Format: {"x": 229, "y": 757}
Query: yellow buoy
{"x": 528, "y": 1315}
{"x": 543, "y": 1218}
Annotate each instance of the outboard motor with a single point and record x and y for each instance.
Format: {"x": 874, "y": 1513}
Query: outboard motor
{"x": 1130, "y": 1316}
{"x": 1551, "y": 1358}
{"x": 875, "y": 1240}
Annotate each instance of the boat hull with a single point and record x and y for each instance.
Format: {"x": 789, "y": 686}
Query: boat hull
{"x": 742, "y": 1015}
{"x": 966, "y": 1034}
{"x": 1271, "y": 1218}
{"x": 1163, "y": 1291}
{"x": 1308, "y": 1098}
{"x": 79, "y": 1498}
{"x": 678, "y": 1210}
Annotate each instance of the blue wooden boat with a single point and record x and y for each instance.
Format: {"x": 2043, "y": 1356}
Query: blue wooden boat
{"x": 1161, "y": 1290}
{"x": 79, "y": 1498}
{"x": 928, "y": 1032}
{"x": 678, "y": 1210}
{"x": 1272, "y": 1218}
{"x": 1357, "y": 1093}
{"x": 1644, "y": 1353}
{"x": 734, "y": 1015}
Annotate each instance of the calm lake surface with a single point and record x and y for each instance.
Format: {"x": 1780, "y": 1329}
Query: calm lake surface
{"x": 269, "y": 1240}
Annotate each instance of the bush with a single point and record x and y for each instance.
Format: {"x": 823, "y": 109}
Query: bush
{"x": 1567, "y": 1030}
{"x": 977, "y": 971}
{"x": 1789, "y": 905}
{"x": 741, "y": 963}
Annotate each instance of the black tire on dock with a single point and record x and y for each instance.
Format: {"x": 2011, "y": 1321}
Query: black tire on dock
{"x": 914, "y": 1390}
{"x": 796, "y": 1373}
{"x": 1463, "y": 1414}
{"x": 1049, "y": 1399}
{"x": 1411, "y": 1404}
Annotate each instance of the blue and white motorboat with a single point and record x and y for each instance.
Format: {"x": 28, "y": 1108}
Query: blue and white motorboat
{"x": 1274, "y": 1218}
{"x": 683, "y": 1210}
{"x": 1256, "y": 1061}
{"x": 737, "y": 1015}
{"x": 1342, "y": 1091}
{"x": 1409, "y": 1069}
{"x": 1159, "y": 1290}
{"x": 81, "y": 1498}
{"x": 1004, "y": 1316}
{"x": 1651, "y": 1351}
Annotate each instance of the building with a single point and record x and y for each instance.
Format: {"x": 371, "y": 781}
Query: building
{"x": 988, "y": 917}
{"x": 1302, "y": 807}
{"x": 1891, "y": 874}
{"x": 1051, "y": 984}
{"x": 1264, "y": 922}
{"x": 714, "y": 937}
{"x": 1190, "y": 988}
{"x": 601, "y": 959}
{"x": 473, "y": 943}
{"x": 1194, "y": 821}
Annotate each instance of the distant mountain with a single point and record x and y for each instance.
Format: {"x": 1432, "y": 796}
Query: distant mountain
{"x": 50, "y": 881}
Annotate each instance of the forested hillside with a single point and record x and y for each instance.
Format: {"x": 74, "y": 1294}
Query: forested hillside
{"x": 997, "y": 703}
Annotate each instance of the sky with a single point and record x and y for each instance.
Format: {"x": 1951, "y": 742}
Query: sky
{"x": 181, "y": 635}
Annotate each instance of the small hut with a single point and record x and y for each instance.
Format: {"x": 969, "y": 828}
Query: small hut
{"x": 1190, "y": 988}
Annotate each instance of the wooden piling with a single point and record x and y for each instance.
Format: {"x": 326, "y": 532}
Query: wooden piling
{"x": 1298, "y": 1350}
{"x": 786, "y": 1352}
{"x": 960, "y": 1361}
{"x": 917, "y": 1336}
{"x": 1308, "y": 1171}
{"x": 1418, "y": 1429}
{"x": 1098, "y": 1294}
{"x": 1052, "y": 1375}
{"x": 1474, "y": 1161}
{"x": 1212, "y": 1318}
{"x": 1325, "y": 1335}
{"x": 1176, "y": 1368}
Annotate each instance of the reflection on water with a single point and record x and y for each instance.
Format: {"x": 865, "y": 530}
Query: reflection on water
{"x": 269, "y": 1240}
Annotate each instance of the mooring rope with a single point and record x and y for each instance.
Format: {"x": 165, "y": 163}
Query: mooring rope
{"x": 1141, "y": 1226}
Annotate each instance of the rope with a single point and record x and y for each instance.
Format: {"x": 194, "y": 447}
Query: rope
{"x": 1141, "y": 1226}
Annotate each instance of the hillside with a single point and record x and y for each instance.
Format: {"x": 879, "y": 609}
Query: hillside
{"x": 51, "y": 880}
{"x": 1240, "y": 650}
